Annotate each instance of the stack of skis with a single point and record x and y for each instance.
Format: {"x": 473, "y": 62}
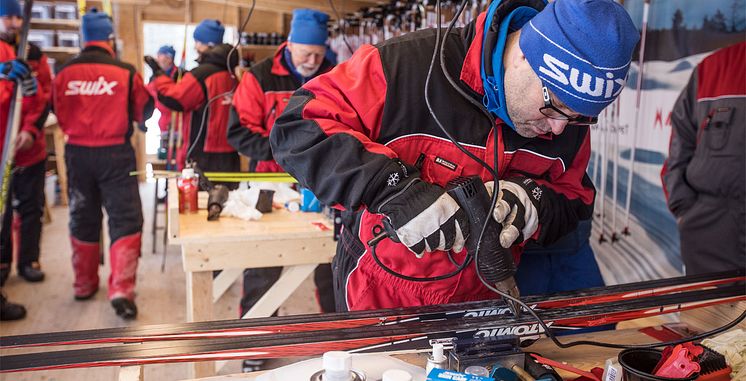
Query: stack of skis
{"x": 395, "y": 330}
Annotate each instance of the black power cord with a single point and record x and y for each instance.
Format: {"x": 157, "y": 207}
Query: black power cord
{"x": 341, "y": 25}
{"x": 438, "y": 50}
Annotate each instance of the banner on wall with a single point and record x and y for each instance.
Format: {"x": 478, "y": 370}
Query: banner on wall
{"x": 680, "y": 33}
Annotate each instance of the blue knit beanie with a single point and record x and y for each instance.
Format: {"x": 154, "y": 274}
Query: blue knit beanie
{"x": 96, "y": 26}
{"x": 167, "y": 50}
{"x": 308, "y": 27}
{"x": 581, "y": 49}
{"x": 10, "y": 8}
{"x": 209, "y": 32}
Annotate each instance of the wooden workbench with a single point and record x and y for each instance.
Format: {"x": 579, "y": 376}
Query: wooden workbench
{"x": 297, "y": 241}
{"x": 581, "y": 357}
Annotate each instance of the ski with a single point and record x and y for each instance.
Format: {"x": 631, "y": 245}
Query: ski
{"x": 313, "y": 322}
{"x": 404, "y": 336}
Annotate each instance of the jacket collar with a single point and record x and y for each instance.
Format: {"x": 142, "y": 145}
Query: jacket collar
{"x": 471, "y": 69}
{"x": 278, "y": 68}
{"x": 99, "y": 45}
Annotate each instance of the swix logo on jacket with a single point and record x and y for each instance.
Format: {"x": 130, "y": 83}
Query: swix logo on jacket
{"x": 97, "y": 97}
{"x": 97, "y": 87}
{"x": 597, "y": 87}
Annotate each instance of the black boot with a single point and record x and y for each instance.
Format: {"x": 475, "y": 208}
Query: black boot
{"x": 249, "y": 366}
{"x": 32, "y": 273}
{"x": 10, "y": 311}
{"x": 125, "y": 308}
{"x": 81, "y": 298}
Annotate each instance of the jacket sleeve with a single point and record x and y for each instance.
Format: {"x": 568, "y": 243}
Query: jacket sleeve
{"x": 141, "y": 102}
{"x": 568, "y": 199}
{"x": 326, "y": 136}
{"x": 186, "y": 95}
{"x": 679, "y": 195}
{"x": 35, "y": 108}
{"x": 247, "y": 132}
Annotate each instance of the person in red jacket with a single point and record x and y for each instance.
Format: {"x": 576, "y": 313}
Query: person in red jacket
{"x": 28, "y": 145}
{"x": 26, "y": 191}
{"x": 165, "y": 60}
{"x": 528, "y": 79}
{"x": 99, "y": 159}
{"x": 259, "y": 99}
{"x": 204, "y": 96}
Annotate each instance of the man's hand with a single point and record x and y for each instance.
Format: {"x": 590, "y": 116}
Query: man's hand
{"x": 426, "y": 218}
{"x": 153, "y": 64}
{"x": 15, "y": 70}
{"x": 517, "y": 209}
{"x": 24, "y": 141}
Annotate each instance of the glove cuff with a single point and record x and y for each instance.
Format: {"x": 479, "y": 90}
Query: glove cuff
{"x": 532, "y": 188}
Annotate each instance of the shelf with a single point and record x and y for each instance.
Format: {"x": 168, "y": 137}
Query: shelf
{"x": 61, "y": 50}
{"x": 268, "y": 47}
{"x": 55, "y": 23}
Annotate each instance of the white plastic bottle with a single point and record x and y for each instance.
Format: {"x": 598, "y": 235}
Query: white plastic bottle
{"x": 438, "y": 360}
{"x": 337, "y": 366}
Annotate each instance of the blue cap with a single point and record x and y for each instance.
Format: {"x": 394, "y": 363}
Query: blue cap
{"x": 96, "y": 26}
{"x": 10, "y": 8}
{"x": 209, "y": 32}
{"x": 308, "y": 27}
{"x": 167, "y": 50}
{"x": 581, "y": 49}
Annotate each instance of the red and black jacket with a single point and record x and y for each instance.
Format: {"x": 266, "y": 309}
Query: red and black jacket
{"x": 209, "y": 83}
{"x": 706, "y": 150}
{"x": 34, "y": 108}
{"x": 260, "y": 98}
{"x": 164, "y": 122}
{"x": 96, "y": 97}
{"x": 345, "y": 133}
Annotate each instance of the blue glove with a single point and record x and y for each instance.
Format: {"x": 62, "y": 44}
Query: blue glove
{"x": 14, "y": 70}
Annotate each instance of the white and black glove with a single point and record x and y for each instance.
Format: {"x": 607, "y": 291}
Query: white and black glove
{"x": 426, "y": 218}
{"x": 517, "y": 209}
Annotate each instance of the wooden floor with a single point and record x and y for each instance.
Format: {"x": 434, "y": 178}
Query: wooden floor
{"x": 160, "y": 299}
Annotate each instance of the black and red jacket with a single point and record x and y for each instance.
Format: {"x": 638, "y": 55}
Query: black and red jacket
{"x": 344, "y": 134}
{"x": 164, "y": 122}
{"x": 33, "y": 109}
{"x": 210, "y": 82}
{"x": 260, "y": 98}
{"x": 96, "y": 97}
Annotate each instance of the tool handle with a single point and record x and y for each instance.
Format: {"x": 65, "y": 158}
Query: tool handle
{"x": 495, "y": 262}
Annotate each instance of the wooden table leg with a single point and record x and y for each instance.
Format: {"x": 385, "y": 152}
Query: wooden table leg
{"x": 199, "y": 308}
{"x": 289, "y": 281}
{"x": 59, "y": 153}
{"x": 131, "y": 373}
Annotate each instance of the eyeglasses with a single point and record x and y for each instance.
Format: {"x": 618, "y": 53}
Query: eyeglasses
{"x": 550, "y": 111}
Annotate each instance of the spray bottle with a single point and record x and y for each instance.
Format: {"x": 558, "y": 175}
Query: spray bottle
{"x": 438, "y": 360}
